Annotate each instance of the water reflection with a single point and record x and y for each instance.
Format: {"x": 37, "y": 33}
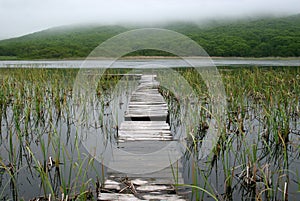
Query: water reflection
{"x": 257, "y": 155}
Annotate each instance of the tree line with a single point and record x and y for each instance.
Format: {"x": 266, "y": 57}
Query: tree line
{"x": 272, "y": 37}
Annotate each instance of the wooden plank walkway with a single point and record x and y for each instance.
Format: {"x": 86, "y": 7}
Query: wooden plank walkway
{"x": 146, "y": 103}
{"x": 145, "y": 130}
{"x": 147, "y": 113}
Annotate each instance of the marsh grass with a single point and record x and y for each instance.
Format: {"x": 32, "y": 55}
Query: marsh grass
{"x": 39, "y": 144}
{"x": 256, "y": 156}
{"x": 258, "y": 149}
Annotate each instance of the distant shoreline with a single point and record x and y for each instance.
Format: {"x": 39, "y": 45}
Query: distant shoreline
{"x": 214, "y": 58}
{"x": 151, "y": 57}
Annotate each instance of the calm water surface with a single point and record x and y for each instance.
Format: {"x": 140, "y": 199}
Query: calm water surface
{"x": 29, "y": 184}
{"x": 137, "y": 63}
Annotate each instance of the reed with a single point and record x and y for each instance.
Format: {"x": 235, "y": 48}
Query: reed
{"x": 258, "y": 145}
{"x": 37, "y": 119}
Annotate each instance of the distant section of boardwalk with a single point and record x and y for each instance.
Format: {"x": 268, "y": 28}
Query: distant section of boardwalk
{"x": 147, "y": 113}
{"x": 146, "y": 102}
{"x": 145, "y": 130}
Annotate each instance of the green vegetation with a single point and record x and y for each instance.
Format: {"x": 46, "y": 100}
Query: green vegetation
{"x": 257, "y": 154}
{"x": 41, "y": 150}
{"x": 63, "y": 42}
{"x": 259, "y": 38}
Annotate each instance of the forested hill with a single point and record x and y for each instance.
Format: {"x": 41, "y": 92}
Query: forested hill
{"x": 259, "y": 38}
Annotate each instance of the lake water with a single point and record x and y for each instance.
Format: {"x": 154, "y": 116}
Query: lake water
{"x": 109, "y": 118}
{"x": 137, "y": 63}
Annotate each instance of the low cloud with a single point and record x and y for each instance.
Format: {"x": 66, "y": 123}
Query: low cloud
{"x": 18, "y": 17}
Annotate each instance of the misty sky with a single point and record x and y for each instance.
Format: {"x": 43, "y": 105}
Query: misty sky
{"x": 19, "y": 17}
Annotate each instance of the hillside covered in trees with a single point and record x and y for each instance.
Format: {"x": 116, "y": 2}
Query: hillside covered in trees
{"x": 269, "y": 37}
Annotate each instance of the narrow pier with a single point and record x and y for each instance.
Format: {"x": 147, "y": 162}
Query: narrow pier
{"x": 149, "y": 172}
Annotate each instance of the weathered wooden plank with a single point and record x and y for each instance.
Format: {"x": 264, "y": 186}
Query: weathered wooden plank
{"x": 145, "y": 123}
{"x": 144, "y": 132}
{"x": 143, "y": 89}
{"x": 147, "y": 82}
{"x": 146, "y": 111}
{"x": 125, "y": 127}
{"x": 147, "y": 99}
{"x": 146, "y": 114}
{"x": 148, "y": 92}
{"x": 149, "y": 85}
{"x": 142, "y": 100}
{"x": 145, "y": 94}
{"x": 149, "y": 188}
{"x": 144, "y": 139}
{"x": 135, "y": 96}
{"x": 152, "y": 96}
{"x": 117, "y": 196}
{"x": 168, "y": 197}
{"x": 130, "y": 197}
{"x": 150, "y": 111}
{"x": 148, "y": 103}
{"x": 147, "y": 118}
{"x": 149, "y": 107}
{"x": 145, "y": 135}
{"x": 112, "y": 185}
{"x": 142, "y": 126}
{"x": 145, "y": 105}
{"x": 145, "y": 128}
{"x": 150, "y": 117}
{"x": 167, "y": 176}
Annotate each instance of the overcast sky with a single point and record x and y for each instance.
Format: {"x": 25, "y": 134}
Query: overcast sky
{"x": 19, "y": 17}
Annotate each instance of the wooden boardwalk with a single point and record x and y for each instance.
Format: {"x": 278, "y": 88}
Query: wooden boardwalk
{"x": 147, "y": 113}
{"x": 145, "y": 130}
{"x": 146, "y": 103}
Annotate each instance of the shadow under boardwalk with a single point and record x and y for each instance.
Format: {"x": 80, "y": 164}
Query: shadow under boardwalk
{"x": 146, "y": 167}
